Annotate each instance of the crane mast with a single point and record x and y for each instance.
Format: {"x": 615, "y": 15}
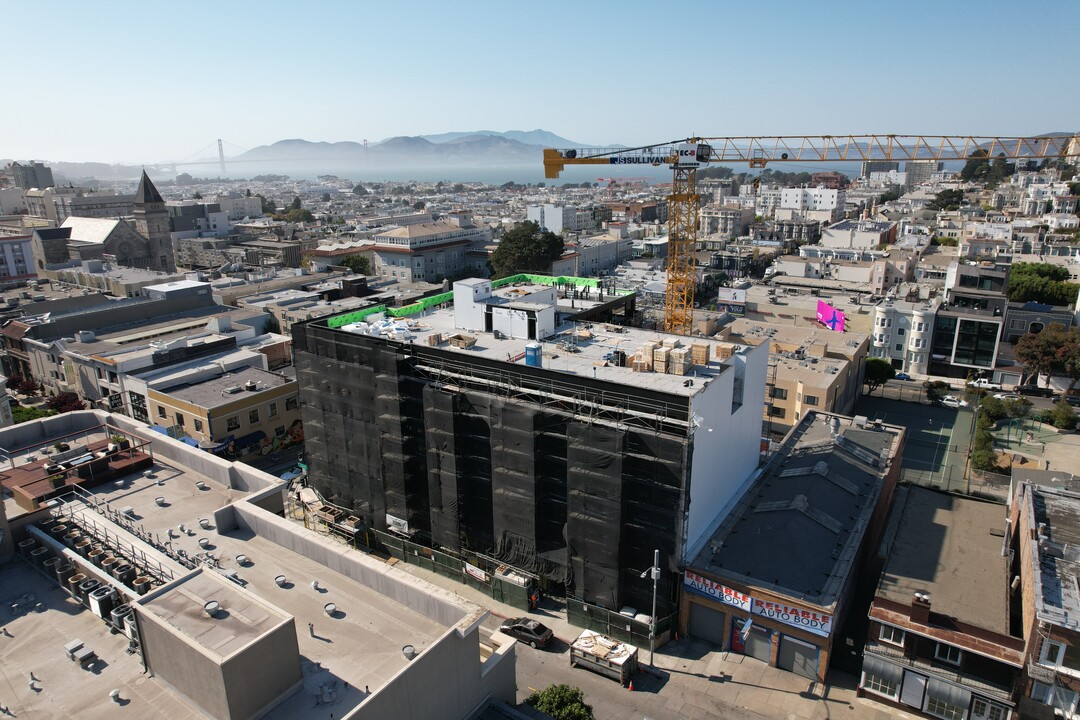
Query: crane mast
{"x": 684, "y": 157}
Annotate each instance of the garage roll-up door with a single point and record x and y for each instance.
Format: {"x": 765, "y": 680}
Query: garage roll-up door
{"x": 798, "y": 657}
{"x": 707, "y": 623}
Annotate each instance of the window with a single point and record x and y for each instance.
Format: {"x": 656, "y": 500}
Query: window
{"x": 279, "y": 431}
{"x": 811, "y": 400}
{"x": 1041, "y": 692}
{"x": 290, "y": 403}
{"x": 899, "y": 347}
{"x": 253, "y": 416}
{"x": 777, "y": 412}
{"x": 198, "y": 425}
{"x": 943, "y": 709}
{"x": 985, "y": 709}
{"x": 900, "y": 332}
{"x": 892, "y": 635}
{"x": 1052, "y": 653}
{"x": 161, "y": 412}
{"x": 779, "y": 393}
{"x": 273, "y": 409}
{"x": 232, "y": 423}
{"x": 179, "y": 419}
{"x": 947, "y": 653}
{"x": 880, "y": 685}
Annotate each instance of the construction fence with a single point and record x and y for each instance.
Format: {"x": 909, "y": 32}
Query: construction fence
{"x": 618, "y": 626}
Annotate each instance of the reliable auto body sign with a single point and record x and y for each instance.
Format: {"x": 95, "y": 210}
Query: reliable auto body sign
{"x": 716, "y": 591}
{"x": 810, "y": 621}
{"x": 796, "y": 617}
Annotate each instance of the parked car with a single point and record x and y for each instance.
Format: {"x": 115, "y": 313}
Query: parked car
{"x": 1034, "y": 390}
{"x": 1006, "y": 396}
{"x": 984, "y": 384}
{"x": 953, "y": 402}
{"x": 1073, "y": 400}
{"x": 527, "y": 630}
{"x": 901, "y": 376}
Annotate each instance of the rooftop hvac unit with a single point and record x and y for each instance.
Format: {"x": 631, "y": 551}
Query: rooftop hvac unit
{"x": 233, "y": 389}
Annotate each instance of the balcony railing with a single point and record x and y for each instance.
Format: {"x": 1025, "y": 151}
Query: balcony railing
{"x": 943, "y": 671}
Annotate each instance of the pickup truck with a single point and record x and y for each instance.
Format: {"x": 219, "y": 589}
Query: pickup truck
{"x": 984, "y": 384}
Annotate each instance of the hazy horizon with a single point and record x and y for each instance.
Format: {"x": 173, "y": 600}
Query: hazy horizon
{"x": 141, "y": 83}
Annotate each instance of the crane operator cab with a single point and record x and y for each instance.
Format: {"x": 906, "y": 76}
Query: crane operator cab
{"x": 692, "y": 155}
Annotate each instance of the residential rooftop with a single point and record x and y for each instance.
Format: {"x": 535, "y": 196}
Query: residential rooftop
{"x": 944, "y": 546}
{"x": 222, "y": 390}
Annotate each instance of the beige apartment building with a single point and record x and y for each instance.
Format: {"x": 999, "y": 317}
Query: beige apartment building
{"x": 239, "y": 413}
{"x": 810, "y": 368}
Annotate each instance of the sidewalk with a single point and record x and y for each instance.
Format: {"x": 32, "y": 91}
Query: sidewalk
{"x": 695, "y": 680}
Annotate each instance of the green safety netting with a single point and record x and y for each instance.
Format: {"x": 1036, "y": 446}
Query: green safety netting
{"x": 429, "y": 302}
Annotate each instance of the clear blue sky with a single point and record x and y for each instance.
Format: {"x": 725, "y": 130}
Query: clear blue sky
{"x": 152, "y": 81}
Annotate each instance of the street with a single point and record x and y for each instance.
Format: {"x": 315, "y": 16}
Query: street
{"x": 693, "y": 680}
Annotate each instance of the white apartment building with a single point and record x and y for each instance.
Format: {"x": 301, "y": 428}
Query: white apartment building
{"x": 820, "y": 203}
{"x": 237, "y": 207}
{"x": 902, "y": 333}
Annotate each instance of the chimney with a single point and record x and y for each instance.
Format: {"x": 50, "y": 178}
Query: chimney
{"x": 920, "y": 608}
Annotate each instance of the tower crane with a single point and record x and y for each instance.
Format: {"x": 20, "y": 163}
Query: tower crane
{"x": 685, "y": 156}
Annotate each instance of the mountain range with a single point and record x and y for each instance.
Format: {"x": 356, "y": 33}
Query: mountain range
{"x": 483, "y": 148}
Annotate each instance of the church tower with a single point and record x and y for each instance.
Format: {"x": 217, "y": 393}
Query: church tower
{"x": 152, "y": 222}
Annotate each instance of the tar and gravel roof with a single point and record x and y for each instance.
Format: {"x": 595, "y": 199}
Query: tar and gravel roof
{"x": 944, "y": 546}
{"x": 798, "y": 529}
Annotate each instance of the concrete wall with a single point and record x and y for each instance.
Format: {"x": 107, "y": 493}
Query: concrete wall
{"x": 410, "y": 591}
{"x": 726, "y": 444}
{"x": 444, "y": 681}
{"x": 173, "y": 658}
{"x": 264, "y": 672}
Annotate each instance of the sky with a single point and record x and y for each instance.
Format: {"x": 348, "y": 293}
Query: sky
{"x": 145, "y": 82}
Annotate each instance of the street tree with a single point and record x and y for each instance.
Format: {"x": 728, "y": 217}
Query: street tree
{"x": 526, "y": 248}
{"x": 936, "y": 390}
{"x": 1054, "y": 351}
{"x": 878, "y": 372}
{"x": 561, "y": 702}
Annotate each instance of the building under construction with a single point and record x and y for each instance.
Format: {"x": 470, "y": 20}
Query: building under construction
{"x": 487, "y": 420}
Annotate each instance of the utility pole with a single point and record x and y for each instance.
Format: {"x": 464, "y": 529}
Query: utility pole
{"x": 654, "y": 571}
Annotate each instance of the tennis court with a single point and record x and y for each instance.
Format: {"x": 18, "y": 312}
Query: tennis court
{"x": 937, "y": 441}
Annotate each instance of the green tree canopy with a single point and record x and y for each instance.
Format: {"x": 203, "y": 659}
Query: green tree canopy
{"x": 977, "y": 167}
{"x": 1054, "y": 351}
{"x": 326, "y": 197}
{"x": 419, "y": 205}
{"x": 936, "y": 390}
{"x": 878, "y": 372}
{"x": 359, "y": 264}
{"x": 526, "y": 248}
{"x": 1041, "y": 282}
{"x": 269, "y": 207}
{"x": 295, "y": 204}
{"x": 360, "y": 190}
{"x": 561, "y": 702}
{"x": 947, "y": 200}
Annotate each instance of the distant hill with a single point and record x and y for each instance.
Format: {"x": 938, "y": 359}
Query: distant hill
{"x": 543, "y": 138}
{"x": 467, "y": 150}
